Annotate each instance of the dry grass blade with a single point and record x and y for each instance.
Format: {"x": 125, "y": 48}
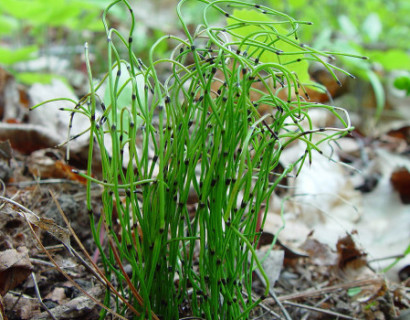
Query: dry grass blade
{"x": 320, "y": 310}
{"x": 31, "y": 221}
{"x": 318, "y": 292}
{"x": 96, "y": 271}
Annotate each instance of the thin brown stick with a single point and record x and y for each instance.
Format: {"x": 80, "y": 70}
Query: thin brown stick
{"x": 30, "y": 224}
{"x": 127, "y": 279}
{"x": 96, "y": 269}
{"x": 319, "y": 292}
{"x": 316, "y": 309}
{"x": 37, "y": 290}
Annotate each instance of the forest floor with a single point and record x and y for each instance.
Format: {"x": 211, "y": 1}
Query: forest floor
{"x": 345, "y": 222}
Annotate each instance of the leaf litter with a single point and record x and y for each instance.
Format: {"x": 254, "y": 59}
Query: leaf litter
{"x": 346, "y": 218}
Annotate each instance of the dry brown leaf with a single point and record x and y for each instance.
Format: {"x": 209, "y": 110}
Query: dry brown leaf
{"x": 400, "y": 179}
{"x": 57, "y": 295}
{"x": 319, "y": 253}
{"x": 349, "y": 256}
{"x": 78, "y": 308}
{"x": 15, "y": 267}
{"x": 21, "y": 306}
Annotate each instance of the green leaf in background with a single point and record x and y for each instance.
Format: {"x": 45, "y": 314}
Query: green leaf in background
{"x": 300, "y": 68}
{"x": 403, "y": 83}
{"x": 30, "y": 78}
{"x": 10, "y": 56}
{"x": 393, "y": 59}
{"x": 7, "y": 25}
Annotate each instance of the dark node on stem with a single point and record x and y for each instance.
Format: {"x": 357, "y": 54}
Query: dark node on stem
{"x": 90, "y": 212}
{"x": 364, "y": 58}
{"x": 119, "y": 73}
{"x": 233, "y": 180}
{"x": 192, "y": 48}
{"x": 209, "y": 126}
{"x": 251, "y": 195}
{"x": 151, "y": 246}
{"x": 181, "y": 204}
{"x": 155, "y": 158}
{"x": 263, "y": 297}
{"x": 212, "y": 251}
{"x": 243, "y": 205}
{"x": 256, "y": 60}
{"x": 244, "y": 71}
{"x": 206, "y": 278}
{"x": 352, "y": 76}
{"x": 199, "y": 292}
{"x": 245, "y": 53}
{"x": 175, "y": 198}
{"x": 289, "y": 101}
{"x": 201, "y": 205}
{"x": 213, "y": 70}
{"x": 201, "y": 98}
{"x": 111, "y": 192}
{"x": 307, "y": 96}
{"x": 264, "y": 12}
{"x": 161, "y": 230}
{"x": 186, "y": 162}
{"x": 113, "y": 127}
{"x": 235, "y": 210}
{"x": 201, "y": 184}
{"x": 299, "y": 60}
{"x": 160, "y": 108}
{"x": 219, "y": 91}
{"x": 320, "y": 151}
{"x": 121, "y": 137}
{"x": 238, "y": 51}
{"x": 133, "y": 97}
{"x": 235, "y": 299}
{"x": 128, "y": 193}
{"x": 322, "y": 129}
{"x": 302, "y": 45}
{"x": 213, "y": 182}
{"x": 228, "y": 223}
{"x": 229, "y": 302}
{"x": 257, "y": 6}
{"x": 225, "y": 153}
{"x": 253, "y": 210}
{"x": 130, "y": 40}
{"x": 190, "y": 122}
{"x": 238, "y": 94}
{"x": 218, "y": 262}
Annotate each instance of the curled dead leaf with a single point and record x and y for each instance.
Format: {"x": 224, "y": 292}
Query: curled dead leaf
{"x": 15, "y": 267}
{"x": 400, "y": 179}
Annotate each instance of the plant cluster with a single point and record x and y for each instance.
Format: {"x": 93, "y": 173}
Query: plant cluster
{"x": 197, "y": 131}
